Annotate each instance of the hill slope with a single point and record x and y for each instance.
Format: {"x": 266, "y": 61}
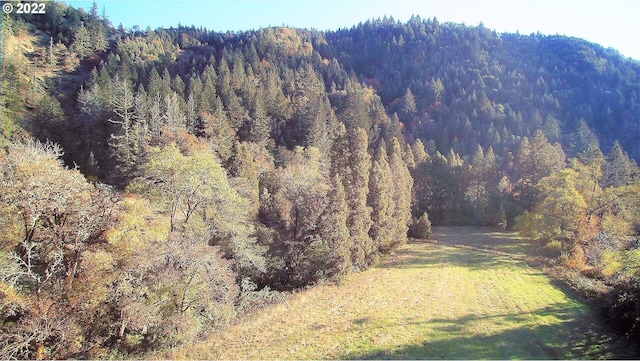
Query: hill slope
{"x": 428, "y": 301}
{"x": 301, "y": 156}
{"x": 493, "y": 86}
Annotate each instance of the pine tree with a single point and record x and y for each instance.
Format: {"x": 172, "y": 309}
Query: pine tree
{"x": 477, "y": 188}
{"x": 320, "y": 133}
{"x": 393, "y": 129}
{"x": 421, "y": 174}
{"x": 276, "y": 103}
{"x": 241, "y": 163}
{"x": 123, "y": 104}
{"x": 217, "y": 130}
{"x": 154, "y": 86}
{"x": 195, "y": 90}
{"x": 165, "y": 82}
{"x": 209, "y": 94}
{"x": 155, "y": 115}
{"x": 440, "y": 190}
{"x": 551, "y": 129}
{"x": 141, "y": 112}
{"x": 238, "y": 76}
{"x": 340, "y": 155}
{"x": 177, "y": 85}
{"x": 93, "y": 13}
{"x": 236, "y": 113}
{"x": 51, "y": 57}
{"x": 99, "y": 41}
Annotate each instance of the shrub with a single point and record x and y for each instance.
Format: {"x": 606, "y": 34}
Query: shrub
{"x": 421, "y": 228}
{"x": 574, "y": 259}
{"x": 622, "y": 309}
{"x": 252, "y": 299}
{"x": 596, "y": 248}
{"x": 553, "y": 248}
{"x": 528, "y": 225}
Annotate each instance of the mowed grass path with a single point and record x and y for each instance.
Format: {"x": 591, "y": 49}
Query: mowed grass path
{"x": 427, "y": 301}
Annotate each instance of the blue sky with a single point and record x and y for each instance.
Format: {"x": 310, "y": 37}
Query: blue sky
{"x": 610, "y": 23}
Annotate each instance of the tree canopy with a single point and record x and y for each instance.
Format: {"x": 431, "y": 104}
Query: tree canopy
{"x": 156, "y": 184}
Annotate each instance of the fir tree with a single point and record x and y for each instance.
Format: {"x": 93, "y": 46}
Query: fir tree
{"x": 259, "y": 125}
{"x": 124, "y": 140}
{"x": 419, "y": 153}
{"x": 381, "y": 201}
{"x": 618, "y": 169}
{"x": 586, "y": 145}
{"x": 403, "y": 184}
{"x": 334, "y": 230}
{"x": 408, "y": 109}
{"x": 82, "y": 44}
{"x": 357, "y": 188}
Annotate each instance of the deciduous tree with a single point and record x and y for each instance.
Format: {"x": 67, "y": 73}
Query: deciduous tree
{"x": 196, "y": 193}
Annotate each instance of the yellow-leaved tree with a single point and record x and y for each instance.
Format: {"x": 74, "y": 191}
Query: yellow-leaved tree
{"x": 561, "y": 207}
{"x": 195, "y": 192}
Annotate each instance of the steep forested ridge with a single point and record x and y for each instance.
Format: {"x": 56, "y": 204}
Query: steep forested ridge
{"x": 496, "y": 86}
{"x": 217, "y": 169}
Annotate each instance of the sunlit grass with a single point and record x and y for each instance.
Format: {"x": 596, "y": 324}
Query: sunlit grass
{"x": 430, "y": 301}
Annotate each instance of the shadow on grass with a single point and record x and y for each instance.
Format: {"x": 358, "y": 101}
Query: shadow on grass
{"x": 556, "y": 332}
{"x": 474, "y": 248}
{"x": 509, "y": 242}
{"x": 435, "y": 256}
{"x": 566, "y": 335}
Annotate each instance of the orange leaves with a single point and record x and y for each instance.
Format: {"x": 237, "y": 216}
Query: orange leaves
{"x": 588, "y": 228}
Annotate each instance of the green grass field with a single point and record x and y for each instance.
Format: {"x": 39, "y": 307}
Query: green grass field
{"x": 450, "y": 300}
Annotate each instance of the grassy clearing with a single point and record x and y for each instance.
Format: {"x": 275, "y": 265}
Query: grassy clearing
{"x": 428, "y": 301}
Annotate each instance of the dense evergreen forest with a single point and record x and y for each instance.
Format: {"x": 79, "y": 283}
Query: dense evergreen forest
{"x": 158, "y": 184}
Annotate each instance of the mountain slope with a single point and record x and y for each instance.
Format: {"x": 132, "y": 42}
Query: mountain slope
{"x": 495, "y": 85}
{"x": 470, "y": 86}
{"x": 287, "y": 158}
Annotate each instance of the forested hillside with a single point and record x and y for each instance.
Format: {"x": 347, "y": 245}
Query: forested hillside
{"x": 161, "y": 183}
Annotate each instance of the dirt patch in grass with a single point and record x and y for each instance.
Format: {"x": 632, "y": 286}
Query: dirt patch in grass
{"x": 471, "y": 296}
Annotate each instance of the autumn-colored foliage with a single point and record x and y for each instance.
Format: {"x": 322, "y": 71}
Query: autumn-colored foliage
{"x": 155, "y": 185}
